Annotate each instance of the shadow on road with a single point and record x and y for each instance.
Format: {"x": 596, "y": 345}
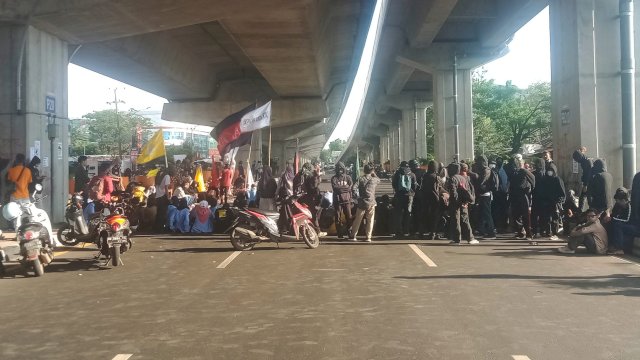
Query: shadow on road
{"x": 615, "y": 284}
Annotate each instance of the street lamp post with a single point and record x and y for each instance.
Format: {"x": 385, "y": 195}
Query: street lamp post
{"x": 116, "y": 102}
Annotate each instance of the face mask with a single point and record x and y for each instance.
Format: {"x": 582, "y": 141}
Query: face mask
{"x": 492, "y": 166}
{"x": 549, "y": 173}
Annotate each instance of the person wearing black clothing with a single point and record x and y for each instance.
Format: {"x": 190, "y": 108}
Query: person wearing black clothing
{"x": 34, "y": 166}
{"x": 310, "y": 183}
{"x": 417, "y": 208}
{"x": 267, "y": 187}
{"x": 521, "y": 186}
{"x": 81, "y": 175}
{"x": 431, "y": 190}
{"x": 581, "y": 158}
{"x": 620, "y": 214}
{"x": 404, "y": 187}
{"x": 459, "y": 225}
{"x": 484, "y": 184}
{"x": 552, "y": 196}
{"x": 500, "y": 203}
{"x": 341, "y": 184}
{"x": 536, "y": 197}
{"x": 599, "y": 188}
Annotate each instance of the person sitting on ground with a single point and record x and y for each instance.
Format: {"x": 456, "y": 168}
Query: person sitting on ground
{"x": 591, "y": 234}
{"x": 252, "y": 195}
{"x": 182, "y": 218}
{"x": 185, "y": 190}
{"x": 571, "y": 212}
{"x": 203, "y": 218}
{"x": 620, "y": 214}
{"x": 172, "y": 214}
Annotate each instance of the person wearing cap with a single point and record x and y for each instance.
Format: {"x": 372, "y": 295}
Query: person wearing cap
{"x": 591, "y": 234}
{"x": 202, "y": 218}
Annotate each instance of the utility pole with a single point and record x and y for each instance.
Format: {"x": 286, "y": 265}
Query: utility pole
{"x": 116, "y": 102}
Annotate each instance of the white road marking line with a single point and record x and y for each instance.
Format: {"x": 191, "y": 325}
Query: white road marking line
{"x": 229, "y": 259}
{"x": 422, "y": 255}
{"x": 520, "y": 357}
{"x": 122, "y": 356}
{"x": 627, "y": 261}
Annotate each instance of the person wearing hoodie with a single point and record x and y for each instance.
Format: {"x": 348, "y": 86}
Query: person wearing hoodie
{"x": 484, "y": 184}
{"x": 431, "y": 193}
{"x": 459, "y": 187}
{"x": 310, "y": 188}
{"x": 500, "y": 202}
{"x": 552, "y": 196}
{"x": 521, "y": 186}
{"x": 599, "y": 188}
{"x": 536, "y": 196}
{"x": 341, "y": 184}
{"x": 620, "y": 215}
{"x": 580, "y": 156}
{"x": 417, "y": 208}
{"x": 404, "y": 187}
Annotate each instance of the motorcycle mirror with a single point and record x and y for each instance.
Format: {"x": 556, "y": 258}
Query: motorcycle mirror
{"x": 38, "y": 187}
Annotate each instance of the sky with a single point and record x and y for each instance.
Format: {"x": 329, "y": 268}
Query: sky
{"x": 527, "y": 62}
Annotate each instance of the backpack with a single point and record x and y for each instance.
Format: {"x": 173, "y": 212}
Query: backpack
{"x": 465, "y": 194}
{"x": 96, "y": 188}
{"x": 405, "y": 183}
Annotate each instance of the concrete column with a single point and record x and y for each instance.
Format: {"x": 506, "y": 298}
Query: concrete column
{"x": 408, "y": 132}
{"x": 421, "y": 113}
{"x": 585, "y": 83}
{"x": 444, "y": 113}
{"x": 33, "y": 68}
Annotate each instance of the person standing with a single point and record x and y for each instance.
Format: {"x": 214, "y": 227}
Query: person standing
{"x": 404, "y": 186}
{"x": 285, "y": 188}
{"x": 591, "y": 234}
{"x": 34, "y": 166}
{"x": 486, "y": 182}
{"x": 460, "y": 197}
{"x": 366, "y": 202}
{"x": 225, "y": 183}
{"x": 417, "y": 207}
{"x": 163, "y": 194}
{"x": 536, "y": 196}
{"x": 431, "y": 191}
{"x": 599, "y": 188}
{"x": 20, "y": 176}
{"x": 500, "y": 202}
{"x": 580, "y": 156}
{"x": 267, "y": 188}
{"x": 552, "y": 197}
{"x": 521, "y": 187}
{"x": 341, "y": 184}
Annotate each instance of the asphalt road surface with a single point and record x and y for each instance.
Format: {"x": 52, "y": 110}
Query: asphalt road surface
{"x": 187, "y": 297}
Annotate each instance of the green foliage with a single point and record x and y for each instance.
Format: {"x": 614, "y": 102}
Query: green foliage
{"x": 97, "y": 132}
{"x": 325, "y": 155}
{"x": 506, "y": 117}
{"x": 337, "y": 145}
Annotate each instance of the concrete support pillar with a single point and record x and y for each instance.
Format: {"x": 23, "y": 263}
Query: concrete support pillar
{"x": 585, "y": 84}
{"x": 33, "y": 85}
{"x": 421, "y": 114}
{"x": 408, "y": 135}
{"x": 444, "y": 114}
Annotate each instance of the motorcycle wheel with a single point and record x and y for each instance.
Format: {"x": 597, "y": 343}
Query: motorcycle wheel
{"x": 309, "y": 236}
{"x": 38, "y": 268}
{"x": 115, "y": 255}
{"x": 64, "y": 236}
{"x": 238, "y": 242}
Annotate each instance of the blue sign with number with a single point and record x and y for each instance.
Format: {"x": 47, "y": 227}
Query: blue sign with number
{"x": 50, "y": 104}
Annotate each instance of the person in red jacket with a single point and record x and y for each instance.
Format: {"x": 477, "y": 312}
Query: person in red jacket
{"x": 225, "y": 182}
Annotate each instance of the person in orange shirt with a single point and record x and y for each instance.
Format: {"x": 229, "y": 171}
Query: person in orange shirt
{"x": 20, "y": 175}
{"x": 226, "y": 177}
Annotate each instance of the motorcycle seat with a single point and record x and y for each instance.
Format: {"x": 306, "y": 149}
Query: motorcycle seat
{"x": 267, "y": 213}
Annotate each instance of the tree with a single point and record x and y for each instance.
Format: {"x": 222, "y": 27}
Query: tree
{"x": 508, "y": 115}
{"x": 97, "y": 132}
{"x": 325, "y": 155}
{"x": 337, "y": 145}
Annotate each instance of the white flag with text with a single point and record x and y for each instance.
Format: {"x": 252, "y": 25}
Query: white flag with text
{"x": 256, "y": 119}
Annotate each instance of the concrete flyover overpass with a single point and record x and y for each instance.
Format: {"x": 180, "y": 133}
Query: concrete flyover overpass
{"x": 592, "y": 92}
{"x": 207, "y": 58}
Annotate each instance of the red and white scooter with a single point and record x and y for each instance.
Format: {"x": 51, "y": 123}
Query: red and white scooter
{"x": 252, "y": 226}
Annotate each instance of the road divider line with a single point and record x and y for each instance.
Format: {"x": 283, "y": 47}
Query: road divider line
{"x": 422, "y": 256}
{"x": 229, "y": 259}
{"x": 627, "y": 261}
{"x": 520, "y": 357}
{"x": 122, "y": 356}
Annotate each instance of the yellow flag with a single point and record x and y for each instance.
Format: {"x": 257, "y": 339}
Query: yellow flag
{"x": 199, "y": 179}
{"x": 152, "y": 173}
{"x": 152, "y": 149}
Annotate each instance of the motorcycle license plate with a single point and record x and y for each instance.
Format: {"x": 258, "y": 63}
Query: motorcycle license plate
{"x": 114, "y": 240}
{"x": 32, "y": 245}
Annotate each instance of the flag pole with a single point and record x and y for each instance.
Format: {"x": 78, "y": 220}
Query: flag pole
{"x": 269, "y": 157}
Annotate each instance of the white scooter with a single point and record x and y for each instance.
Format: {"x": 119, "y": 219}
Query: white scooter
{"x": 34, "y": 235}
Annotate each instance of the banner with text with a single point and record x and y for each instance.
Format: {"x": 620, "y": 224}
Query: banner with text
{"x": 256, "y": 119}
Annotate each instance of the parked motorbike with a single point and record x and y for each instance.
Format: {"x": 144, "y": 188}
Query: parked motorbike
{"x": 76, "y": 229}
{"x": 115, "y": 238}
{"x": 252, "y": 226}
{"x": 34, "y": 235}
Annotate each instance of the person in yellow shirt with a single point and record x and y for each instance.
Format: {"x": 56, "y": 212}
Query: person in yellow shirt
{"x": 20, "y": 175}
